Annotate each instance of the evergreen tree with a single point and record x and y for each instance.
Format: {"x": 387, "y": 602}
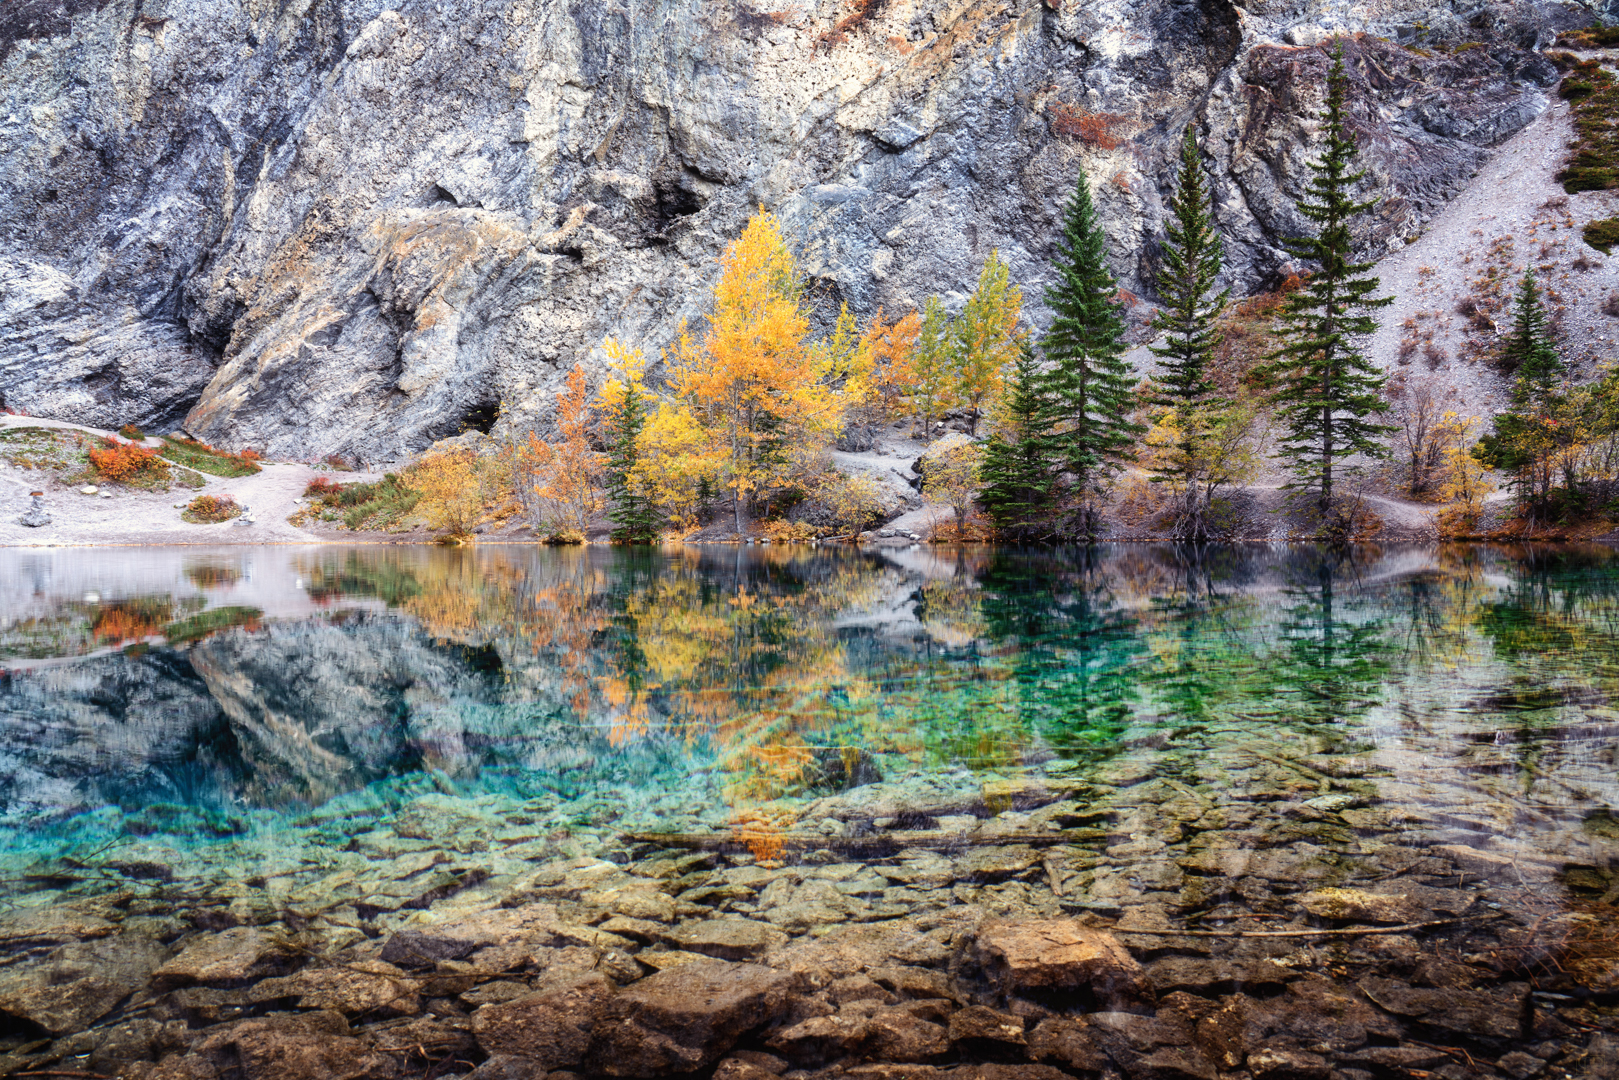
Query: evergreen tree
{"x": 1015, "y": 473}
{"x": 1192, "y": 255}
{"x": 1323, "y": 387}
{"x": 1089, "y": 383}
{"x": 1529, "y": 351}
{"x": 634, "y": 515}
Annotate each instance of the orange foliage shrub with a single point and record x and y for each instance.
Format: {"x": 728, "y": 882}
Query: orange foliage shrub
{"x": 126, "y": 461}
{"x": 212, "y": 509}
{"x": 451, "y": 484}
{"x": 1093, "y": 129}
{"x": 119, "y": 623}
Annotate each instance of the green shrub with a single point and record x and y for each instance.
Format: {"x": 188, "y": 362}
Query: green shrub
{"x": 383, "y": 504}
{"x": 1602, "y": 234}
{"x": 204, "y": 458}
{"x": 1594, "y": 95}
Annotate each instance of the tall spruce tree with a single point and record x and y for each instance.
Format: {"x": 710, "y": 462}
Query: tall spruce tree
{"x": 1322, "y": 385}
{"x": 1529, "y": 350}
{"x": 1089, "y": 384}
{"x": 1015, "y": 473}
{"x": 635, "y": 517}
{"x": 1192, "y": 257}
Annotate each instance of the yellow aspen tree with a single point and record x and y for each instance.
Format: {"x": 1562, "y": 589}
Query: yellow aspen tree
{"x": 752, "y": 382}
{"x": 985, "y": 336}
{"x": 452, "y": 496}
{"x": 934, "y": 384}
{"x": 889, "y": 350}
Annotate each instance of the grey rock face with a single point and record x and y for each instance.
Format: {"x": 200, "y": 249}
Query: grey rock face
{"x": 335, "y": 227}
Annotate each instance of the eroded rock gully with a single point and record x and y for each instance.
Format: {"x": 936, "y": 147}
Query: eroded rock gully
{"x": 1030, "y": 929}
{"x": 331, "y": 226}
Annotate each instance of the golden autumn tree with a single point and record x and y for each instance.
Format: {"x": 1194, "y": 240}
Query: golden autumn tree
{"x": 559, "y": 482}
{"x": 452, "y": 486}
{"x": 752, "y": 383}
{"x": 934, "y": 385}
{"x": 985, "y": 337}
{"x": 890, "y": 354}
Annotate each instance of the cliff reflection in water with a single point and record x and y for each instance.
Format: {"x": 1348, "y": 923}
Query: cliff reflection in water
{"x": 170, "y": 691}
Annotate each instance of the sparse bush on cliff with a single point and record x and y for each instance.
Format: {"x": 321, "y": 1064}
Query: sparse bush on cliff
{"x": 1092, "y": 129}
{"x": 1602, "y": 234}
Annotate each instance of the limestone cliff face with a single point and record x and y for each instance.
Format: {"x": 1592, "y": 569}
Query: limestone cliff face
{"x": 315, "y": 226}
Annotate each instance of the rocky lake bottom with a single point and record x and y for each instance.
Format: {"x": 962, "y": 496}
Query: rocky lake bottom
{"x": 1139, "y": 812}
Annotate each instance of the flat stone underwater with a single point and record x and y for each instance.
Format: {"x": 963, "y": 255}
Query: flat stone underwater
{"x": 1141, "y": 811}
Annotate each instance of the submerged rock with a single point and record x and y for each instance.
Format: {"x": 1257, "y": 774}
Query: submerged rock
{"x": 1024, "y": 956}
{"x": 687, "y": 1017}
{"x": 728, "y": 938}
{"x": 550, "y": 1029}
{"x": 1357, "y": 905}
{"x": 77, "y": 984}
{"x": 230, "y": 956}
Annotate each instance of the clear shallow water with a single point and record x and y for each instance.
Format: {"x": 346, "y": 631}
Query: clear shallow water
{"x": 365, "y": 738}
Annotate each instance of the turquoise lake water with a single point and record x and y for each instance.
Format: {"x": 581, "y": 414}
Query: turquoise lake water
{"x": 186, "y": 705}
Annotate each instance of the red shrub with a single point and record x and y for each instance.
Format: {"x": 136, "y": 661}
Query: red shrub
{"x": 320, "y": 487}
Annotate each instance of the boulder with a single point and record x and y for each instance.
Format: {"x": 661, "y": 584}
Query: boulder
{"x": 1357, "y": 905}
{"x": 687, "y": 1017}
{"x": 36, "y": 516}
{"x": 551, "y": 1029}
{"x": 78, "y": 983}
{"x": 1024, "y": 956}
{"x": 1492, "y": 1014}
{"x": 231, "y": 956}
{"x": 727, "y": 938}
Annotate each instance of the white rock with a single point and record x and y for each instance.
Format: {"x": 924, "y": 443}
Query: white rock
{"x": 88, "y": 489}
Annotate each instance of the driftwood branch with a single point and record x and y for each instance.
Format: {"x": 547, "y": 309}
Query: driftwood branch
{"x": 886, "y": 843}
{"x": 1354, "y": 932}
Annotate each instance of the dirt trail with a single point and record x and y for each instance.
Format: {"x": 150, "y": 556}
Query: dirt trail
{"x": 131, "y": 516}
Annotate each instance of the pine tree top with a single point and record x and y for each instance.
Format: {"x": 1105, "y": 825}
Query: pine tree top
{"x": 1529, "y": 350}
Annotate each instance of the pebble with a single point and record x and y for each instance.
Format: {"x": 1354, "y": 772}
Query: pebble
{"x": 88, "y": 489}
